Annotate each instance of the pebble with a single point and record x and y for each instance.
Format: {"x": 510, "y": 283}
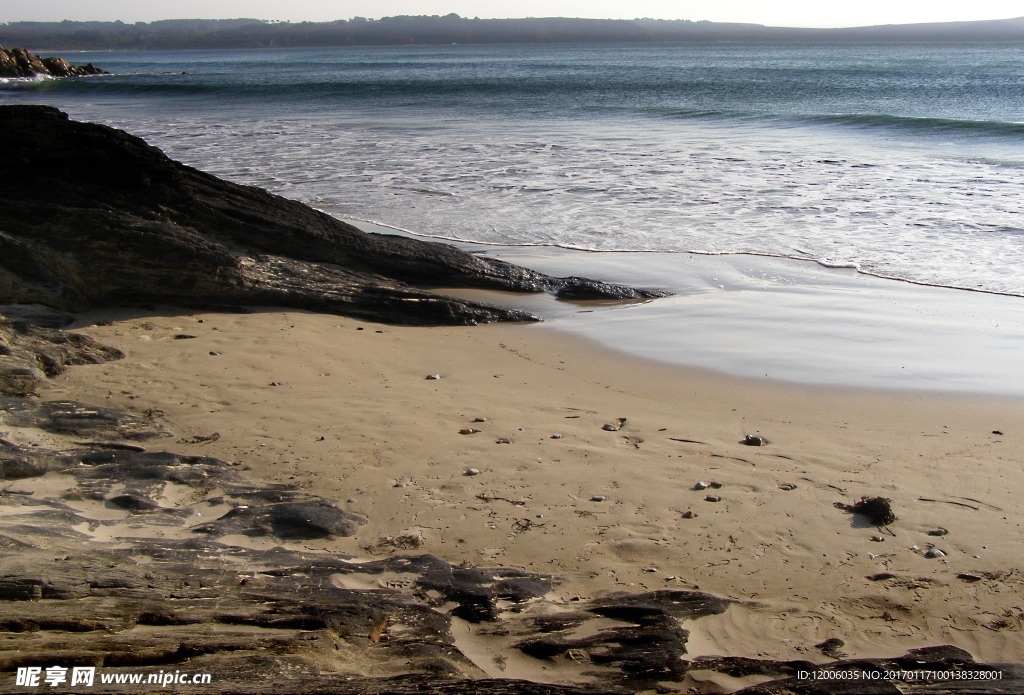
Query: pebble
{"x": 688, "y": 514}
{"x": 598, "y": 498}
{"x": 503, "y": 440}
{"x": 713, "y": 498}
{"x": 214, "y": 353}
{"x": 700, "y": 485}
{"x": 468, "y": 430}
{"x": 652, "y": 570}
{"x": 479, "y": 419}
{"x": 472, "y": 471}
{"x": 610, "y": 428}
{"x": 938, "y": 532}
{"x": 933, "y": 553}
{"x": 878, "y": 539}
{"x": 754, "y": 440}
{"x": 787, "y": 486}
{"x": 433, "y": 377}
{"x": 556, "y": 436}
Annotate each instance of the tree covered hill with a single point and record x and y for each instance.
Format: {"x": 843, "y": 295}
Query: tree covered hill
{"x": 448, "y": 29}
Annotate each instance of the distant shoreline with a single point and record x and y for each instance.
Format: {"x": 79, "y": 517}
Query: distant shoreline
{"x": 450, "y": 29}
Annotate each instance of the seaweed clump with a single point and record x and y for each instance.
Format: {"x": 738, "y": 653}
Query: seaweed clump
{"x": 877, "y": 509}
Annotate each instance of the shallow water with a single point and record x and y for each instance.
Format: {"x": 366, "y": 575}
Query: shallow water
{"x": 792, "y": 321}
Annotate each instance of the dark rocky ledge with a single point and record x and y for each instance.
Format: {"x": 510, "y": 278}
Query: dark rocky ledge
{"x": 121, "y": 561}
{"x": 17, "y": 62}
{"x": 91, "y": 216}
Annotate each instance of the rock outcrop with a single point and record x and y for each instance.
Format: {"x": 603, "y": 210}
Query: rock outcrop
{"x": 91, "y": 216}
{"x": 17, "y": 62}
{"x": 29, "y": 352}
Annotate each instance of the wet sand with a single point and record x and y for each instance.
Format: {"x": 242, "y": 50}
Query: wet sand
{"x": 790, "y": 320}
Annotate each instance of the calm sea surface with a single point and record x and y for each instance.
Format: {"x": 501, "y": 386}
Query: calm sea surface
{"x": 904, "y": 162}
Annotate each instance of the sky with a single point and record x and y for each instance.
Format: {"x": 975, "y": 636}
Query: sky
{"x": 793, "y": 13}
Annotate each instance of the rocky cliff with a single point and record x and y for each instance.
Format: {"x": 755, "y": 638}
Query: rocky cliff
{"x": 17, "y": 62}
{"x": 92, "y": 216}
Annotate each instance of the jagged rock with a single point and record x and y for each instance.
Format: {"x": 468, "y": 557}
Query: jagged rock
{"x": 647, "y": 652}
{"x": 290, "y": 520}
{"x": 582, "y": 288}
{"x": 70, "y": 417}
{"x": 36, "y": 315}
{"x": 684, "y": 605}
{"x": 17, "y": 62}
{"x": 29, "y": 352}
{"x": 92, "y": 216}
{"x": 134, "y": 501}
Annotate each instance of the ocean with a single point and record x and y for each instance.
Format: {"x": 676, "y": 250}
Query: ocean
{"x": 899, "y": 162}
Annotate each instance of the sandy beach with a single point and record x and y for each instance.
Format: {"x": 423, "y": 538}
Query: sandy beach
{"x": 540, "y": 450}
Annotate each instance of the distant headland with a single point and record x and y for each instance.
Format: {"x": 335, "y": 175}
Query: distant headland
{"x": 452, "y": 29}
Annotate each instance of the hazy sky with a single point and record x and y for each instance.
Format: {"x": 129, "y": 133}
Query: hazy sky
{"x": 809, "y": 13}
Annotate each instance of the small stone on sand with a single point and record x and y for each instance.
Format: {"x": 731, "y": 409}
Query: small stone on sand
{"x": 472, "y": 471}
{"x": 433, "y": 377}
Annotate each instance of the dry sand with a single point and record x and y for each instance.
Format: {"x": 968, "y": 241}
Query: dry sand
{"x": 344, "y": 409}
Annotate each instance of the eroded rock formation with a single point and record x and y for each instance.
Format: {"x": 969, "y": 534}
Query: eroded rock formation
{"x": 92, "y": 216}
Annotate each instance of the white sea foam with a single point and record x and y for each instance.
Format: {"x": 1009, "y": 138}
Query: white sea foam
{"x": 919, "y": 215}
